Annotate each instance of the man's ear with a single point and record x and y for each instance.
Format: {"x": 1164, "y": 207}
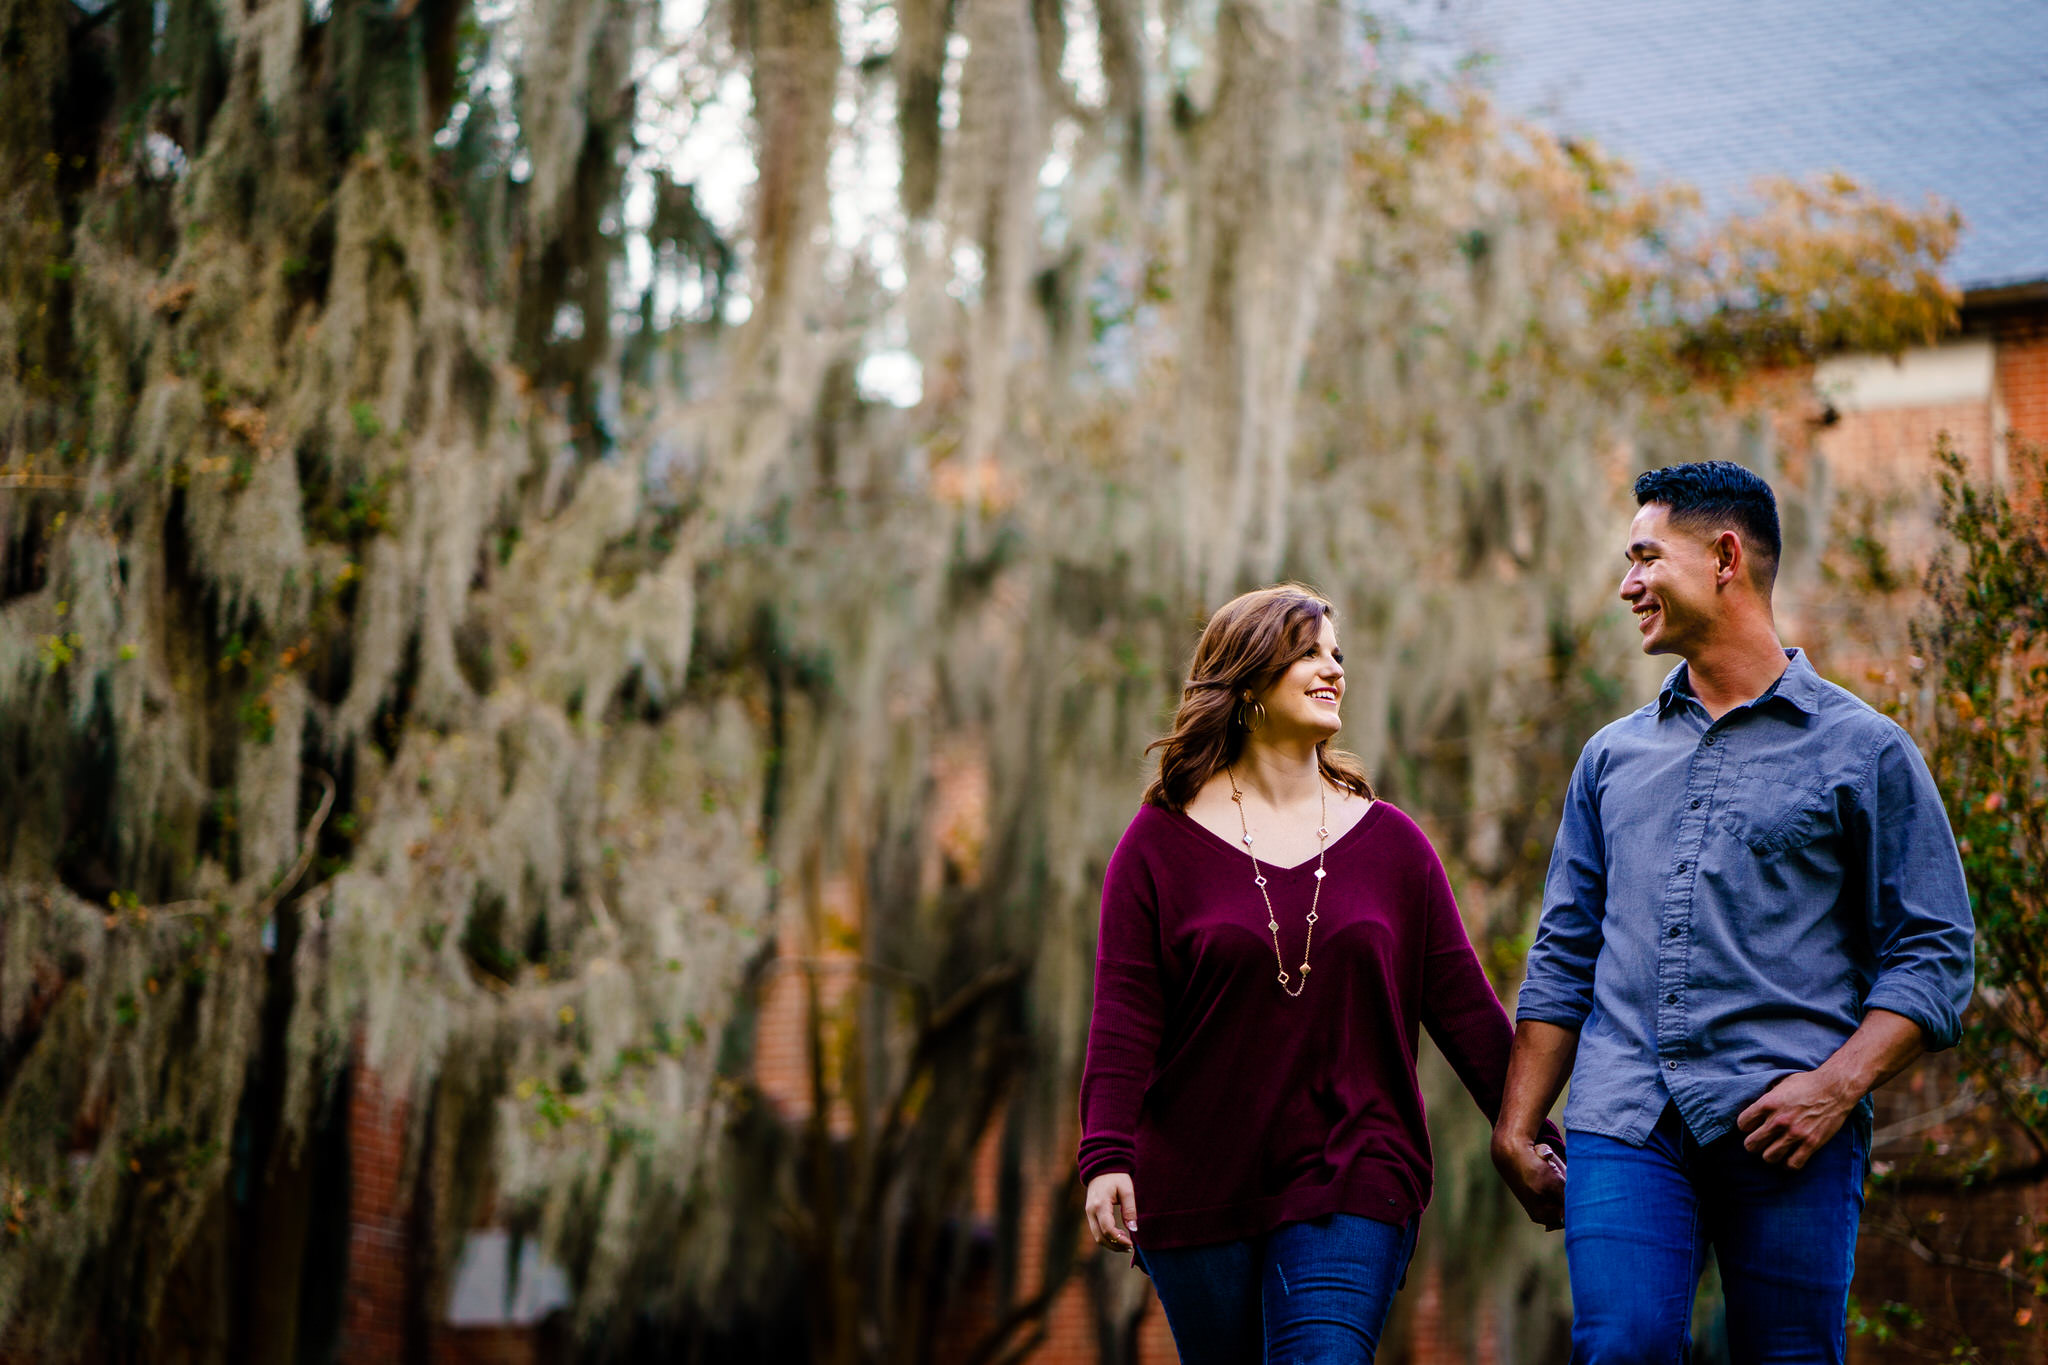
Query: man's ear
{"x": 1729, "y": 558}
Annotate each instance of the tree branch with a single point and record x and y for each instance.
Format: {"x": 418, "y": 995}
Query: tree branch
{"x": 308, "y": 843}
{"x": 1904, "y": 1236}
{"x": 1927, "y": 1183}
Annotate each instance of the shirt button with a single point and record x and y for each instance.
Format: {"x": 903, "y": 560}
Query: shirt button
{"x": 1708, "y": 741}
{"x": 1695, "y": 804}
{"x": 1676, "y": 931}
{"x": 1671, "y": 999}
{"x": 1683, "y": 866}
{"x": 1671, "y": 1066}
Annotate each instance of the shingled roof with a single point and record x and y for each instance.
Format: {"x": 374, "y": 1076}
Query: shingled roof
{"x": 1910, "y": 97}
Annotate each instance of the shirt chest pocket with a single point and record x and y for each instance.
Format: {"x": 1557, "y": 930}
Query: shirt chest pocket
{"x": 1772, "y": 807}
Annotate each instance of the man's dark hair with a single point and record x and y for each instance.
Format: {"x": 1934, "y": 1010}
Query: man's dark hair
{"x": 1718, "y": 495}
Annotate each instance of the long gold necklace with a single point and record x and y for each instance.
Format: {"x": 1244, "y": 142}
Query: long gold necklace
{"x": 1259, "y": 879}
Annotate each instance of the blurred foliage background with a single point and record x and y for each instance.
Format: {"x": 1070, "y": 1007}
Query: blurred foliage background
{"x": 540, "y": 540}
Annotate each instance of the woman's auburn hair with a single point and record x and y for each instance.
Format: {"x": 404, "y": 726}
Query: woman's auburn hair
{"x": 1248, "y": 643}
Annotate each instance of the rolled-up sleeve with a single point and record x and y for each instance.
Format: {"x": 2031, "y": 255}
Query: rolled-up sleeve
{"x": 1559, "y": 986}
{"x": 1915, "y": 898}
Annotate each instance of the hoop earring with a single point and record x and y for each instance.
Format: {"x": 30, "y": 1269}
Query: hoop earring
{"x": 1251, "y": 713}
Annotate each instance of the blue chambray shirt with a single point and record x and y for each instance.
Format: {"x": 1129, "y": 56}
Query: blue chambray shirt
{"x": 1726, "y": 899}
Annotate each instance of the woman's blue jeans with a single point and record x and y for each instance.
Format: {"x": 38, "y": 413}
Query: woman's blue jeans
{"x": 1305, "y": 1292}
{"x": 1638, "y": 1222}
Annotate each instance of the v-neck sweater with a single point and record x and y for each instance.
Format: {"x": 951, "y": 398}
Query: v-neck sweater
{"x": 1236, "y": 1109}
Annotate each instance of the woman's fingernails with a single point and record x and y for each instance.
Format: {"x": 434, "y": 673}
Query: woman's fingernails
{"x": 1133, "y": 1225}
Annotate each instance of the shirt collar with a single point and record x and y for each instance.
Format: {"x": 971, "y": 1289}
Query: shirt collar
{"x": 1799, "y": 686}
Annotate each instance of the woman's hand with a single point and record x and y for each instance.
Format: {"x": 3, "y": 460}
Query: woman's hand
{"x": 1112, "y": 1210}
{"x": 1535, "y": 1175}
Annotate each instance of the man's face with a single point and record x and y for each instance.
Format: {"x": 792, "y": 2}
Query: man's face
{"x": 1671, "y": 582}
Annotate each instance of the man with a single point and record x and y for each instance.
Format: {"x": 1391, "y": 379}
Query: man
{"x": 1755, "y": 915}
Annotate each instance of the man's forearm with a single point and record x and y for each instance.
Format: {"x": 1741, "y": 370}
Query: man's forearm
{"x": 1526, "y": 1156}
{"x": 1537, "y": 1070}
{"x": 1880, "y": 1048}
{"x": 1802, "y": 1113}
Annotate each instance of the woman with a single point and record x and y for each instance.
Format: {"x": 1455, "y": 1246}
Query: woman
{"x": 1271, "y": 937}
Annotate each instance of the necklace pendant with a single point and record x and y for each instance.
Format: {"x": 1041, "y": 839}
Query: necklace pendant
{"x": 1288, "y": 985}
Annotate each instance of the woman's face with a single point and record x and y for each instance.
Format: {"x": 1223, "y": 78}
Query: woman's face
{"x": 1304, "y": 701}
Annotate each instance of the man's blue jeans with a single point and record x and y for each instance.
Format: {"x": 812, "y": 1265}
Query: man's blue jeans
{"x": 1638, "y": 1222}
{"x": 1305, "y": 1292}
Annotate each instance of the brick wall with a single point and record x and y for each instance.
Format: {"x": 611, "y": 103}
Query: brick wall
{"x": 1430, "y": 1335}
{"x": 1890, "y": 449}
{"x": 1070, "y": 1329}
{"x": 1882, "y": 466}
{"x": 373, "y": 1325}
{"x": 488, "y": 1346}
{"x": 2023, "y": 381}
{"x": 782, "y": 1039}
{"x": 379, "y": 1294}
{"x": 1879, "y": 464}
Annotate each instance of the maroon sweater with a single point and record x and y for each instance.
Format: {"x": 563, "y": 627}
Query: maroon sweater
{"x": 1235, "y": 1109}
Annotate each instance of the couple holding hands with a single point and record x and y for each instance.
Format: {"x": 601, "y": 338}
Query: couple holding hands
{"x": 1754, "y": 916}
